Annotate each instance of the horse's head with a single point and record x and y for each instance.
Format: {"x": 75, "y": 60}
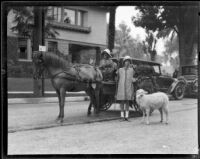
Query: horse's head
{"x": 38, "y": 62}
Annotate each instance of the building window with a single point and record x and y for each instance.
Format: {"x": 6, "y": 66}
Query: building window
{"x": 23, "y": 53}
{"x": 52, "y": 46}
{"x": 22, "y": 49}
{"x": 66, "y": 15}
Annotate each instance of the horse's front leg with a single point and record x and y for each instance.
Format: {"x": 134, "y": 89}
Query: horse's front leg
{"x": 92, "y": 101}
{"x": 97, "y": 95}
{"x": 62, "y": 104}
{"x": 59, "y": 100}
{"x": 89, "y": 108}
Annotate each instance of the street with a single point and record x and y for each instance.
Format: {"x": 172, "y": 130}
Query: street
{"x": 33, "y": 130}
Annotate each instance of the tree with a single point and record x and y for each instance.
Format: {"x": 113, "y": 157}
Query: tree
{"x": 171, "y": 50}
{"x": 150, "y": 44}
{"x": 24, "y": 20}
{"x": 126, "y": 45}
{"x": 181, "y": 19}
{"x": 111, "y": 33}
{"x": 31, "y": 23}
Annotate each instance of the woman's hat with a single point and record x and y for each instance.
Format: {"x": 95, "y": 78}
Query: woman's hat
{"x": 106, "y": 51}
{"x": 127, "y": 58}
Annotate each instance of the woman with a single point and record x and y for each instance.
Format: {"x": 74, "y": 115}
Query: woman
{"x": 125, "y": 90}
{"x": 107, "y": 66}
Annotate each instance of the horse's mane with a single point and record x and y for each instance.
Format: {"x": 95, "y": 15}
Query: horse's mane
{"x": 55, "y": 60}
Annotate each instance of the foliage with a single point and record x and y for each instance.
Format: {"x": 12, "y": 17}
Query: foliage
{"x": 171, "y": 21}
{"x": 126, "y": 45}
{"x": 24, "y": 20}
{"x": 158, "y": 18}
{"x": 150, "y": 44}
{"x": 172, "y": 47}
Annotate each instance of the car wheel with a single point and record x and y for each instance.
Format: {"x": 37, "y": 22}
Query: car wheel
{"x": 179, "y": 91}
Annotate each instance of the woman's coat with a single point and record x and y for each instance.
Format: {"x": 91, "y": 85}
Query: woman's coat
{"x": 125, "y": 88}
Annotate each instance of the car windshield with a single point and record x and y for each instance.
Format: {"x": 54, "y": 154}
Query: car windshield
{"x": 192, "y": 70}
{"x": 156, "y": 69}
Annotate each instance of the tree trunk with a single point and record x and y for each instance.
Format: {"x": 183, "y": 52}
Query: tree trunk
{"x": 187, "y": 33}
{"x": 111, "y": 33}
{"x": 98, "y": 55}
{"x": 38, "y": 39}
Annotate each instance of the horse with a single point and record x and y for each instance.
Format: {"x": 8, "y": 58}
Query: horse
{"x": 67, "y": 77}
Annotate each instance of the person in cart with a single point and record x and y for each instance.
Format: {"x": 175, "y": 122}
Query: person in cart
{"x": 107, "y": 66}
{"x": 125, "y": 89}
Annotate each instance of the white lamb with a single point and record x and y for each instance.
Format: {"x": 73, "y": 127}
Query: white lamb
{"x": 152, "y": 101}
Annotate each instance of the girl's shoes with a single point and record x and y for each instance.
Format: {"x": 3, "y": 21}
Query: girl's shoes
{"x": 126, "y": 119}
{"x": 123, "y": 119}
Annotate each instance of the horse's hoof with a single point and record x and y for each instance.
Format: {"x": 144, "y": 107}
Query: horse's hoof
{"x": 89, "y": 113}
{"x": 96, "y": 113}
{"x": 57, "y": 119}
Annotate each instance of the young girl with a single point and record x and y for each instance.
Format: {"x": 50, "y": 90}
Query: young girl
{"x": 125, "y": 87}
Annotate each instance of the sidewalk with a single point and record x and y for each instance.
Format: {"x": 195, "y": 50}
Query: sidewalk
{"x": 28, "y": 98}
{"x": 45, "y": 100}
{"x": 70, "y": 97}
{"x": 30, "y": 94}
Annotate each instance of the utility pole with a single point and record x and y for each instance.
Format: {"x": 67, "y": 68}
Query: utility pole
{"x": 38, "y": 39}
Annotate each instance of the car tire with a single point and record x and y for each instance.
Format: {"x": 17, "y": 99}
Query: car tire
{"x": 179, "y": 91}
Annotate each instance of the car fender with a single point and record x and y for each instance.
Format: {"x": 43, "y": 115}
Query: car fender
{"x": 181, "y": 78}
{"x": 194, "y": 80}
{"x": 193, "y": 84}
{"x": 174, "y": 84}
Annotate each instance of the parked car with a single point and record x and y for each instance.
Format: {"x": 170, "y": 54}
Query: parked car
{"x": 189, "y": 72}
{"x": 149, "y": 75}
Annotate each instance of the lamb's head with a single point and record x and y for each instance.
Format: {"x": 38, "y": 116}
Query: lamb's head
{"x": 140, "y": 93}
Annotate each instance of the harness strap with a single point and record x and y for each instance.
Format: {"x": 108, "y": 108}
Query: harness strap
{"x": 74, "y": 78}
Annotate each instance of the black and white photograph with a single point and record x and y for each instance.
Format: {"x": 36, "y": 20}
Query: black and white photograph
{"x": 100, "y": 78}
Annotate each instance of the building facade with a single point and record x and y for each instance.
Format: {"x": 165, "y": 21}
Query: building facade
{"x": 82, "y": 34}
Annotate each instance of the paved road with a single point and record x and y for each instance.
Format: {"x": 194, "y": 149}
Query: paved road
{"x": 109, "y": 137}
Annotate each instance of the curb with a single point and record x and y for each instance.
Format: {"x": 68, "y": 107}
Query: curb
{"x": 45, "y": 100}
{"x": 46, "y": 126}
{"x": 52, "y": 125}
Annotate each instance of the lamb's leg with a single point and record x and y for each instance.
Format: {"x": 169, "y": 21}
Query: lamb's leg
{"x": 147, "y": 118}
{"x": 165, "y": 109}
{"x": 166, "y": 113}
{"x": 143, "y": 115}
{"x": 161, "y": 114}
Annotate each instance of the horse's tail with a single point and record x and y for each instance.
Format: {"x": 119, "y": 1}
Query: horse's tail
{"x": 99, "y": 76}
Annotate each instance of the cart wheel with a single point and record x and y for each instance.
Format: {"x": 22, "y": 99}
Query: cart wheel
{"x": 106, "y": 105}
{"x": 136, "y": 106}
